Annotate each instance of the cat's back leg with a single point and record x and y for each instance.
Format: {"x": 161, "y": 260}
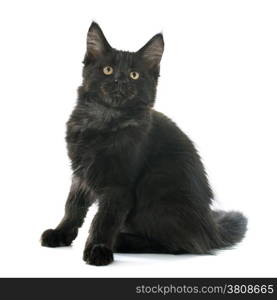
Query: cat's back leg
{"x": 135, "y": 243}
{"x": 170, "y": 214}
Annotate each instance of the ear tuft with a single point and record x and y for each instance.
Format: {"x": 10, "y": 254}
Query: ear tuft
{"x": 153, "y": 50}
{"x": 97, "y": 44}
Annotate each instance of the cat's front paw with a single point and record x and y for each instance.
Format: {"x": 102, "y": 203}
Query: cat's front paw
{"x": 98, "y": 255}
{"x": 57, "y": 238}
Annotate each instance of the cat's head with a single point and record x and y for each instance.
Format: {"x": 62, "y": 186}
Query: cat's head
{"x": 121, "y": 78}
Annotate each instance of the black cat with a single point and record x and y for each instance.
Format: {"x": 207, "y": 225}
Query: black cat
{"x": 148, "y": 178}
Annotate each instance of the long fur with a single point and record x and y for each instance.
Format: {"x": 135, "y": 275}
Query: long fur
{"x": 150, "y": 183}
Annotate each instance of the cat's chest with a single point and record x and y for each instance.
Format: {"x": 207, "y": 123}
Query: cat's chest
{"x": 112, "y": 153}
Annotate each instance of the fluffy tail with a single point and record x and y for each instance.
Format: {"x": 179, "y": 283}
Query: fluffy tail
{"x": 232, "y": 227}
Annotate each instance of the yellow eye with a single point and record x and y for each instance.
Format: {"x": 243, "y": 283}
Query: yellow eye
{"x": 134, "y": 75}
{"x": 107, "y": 70}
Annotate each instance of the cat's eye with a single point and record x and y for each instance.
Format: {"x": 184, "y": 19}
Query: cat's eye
{"x": 107, "y": 70}
{"x": 134, "y": 75}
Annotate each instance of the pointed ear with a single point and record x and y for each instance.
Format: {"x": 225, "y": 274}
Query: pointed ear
{"x": 153, "y": 50}
{"x": 97, "y": 44}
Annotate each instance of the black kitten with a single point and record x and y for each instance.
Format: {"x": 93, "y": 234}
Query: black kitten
{"x": 148, "y": 178}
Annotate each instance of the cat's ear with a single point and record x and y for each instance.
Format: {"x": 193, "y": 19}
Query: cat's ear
{"x": 97, "y": 45}
{"x": 153, "y": 50}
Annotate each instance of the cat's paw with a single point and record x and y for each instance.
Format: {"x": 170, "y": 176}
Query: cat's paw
{"x": 57, "y": 238}
{"x": 98, "y": 255}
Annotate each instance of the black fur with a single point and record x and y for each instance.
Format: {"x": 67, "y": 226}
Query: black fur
{"x": 151, "y": 186}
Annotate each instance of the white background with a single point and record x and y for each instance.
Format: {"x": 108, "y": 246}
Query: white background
{"x": 218, "y": 82}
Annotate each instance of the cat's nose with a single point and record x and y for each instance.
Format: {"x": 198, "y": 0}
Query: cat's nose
{"x": 120, "y": 82}
{"x": 119, "y": 78}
